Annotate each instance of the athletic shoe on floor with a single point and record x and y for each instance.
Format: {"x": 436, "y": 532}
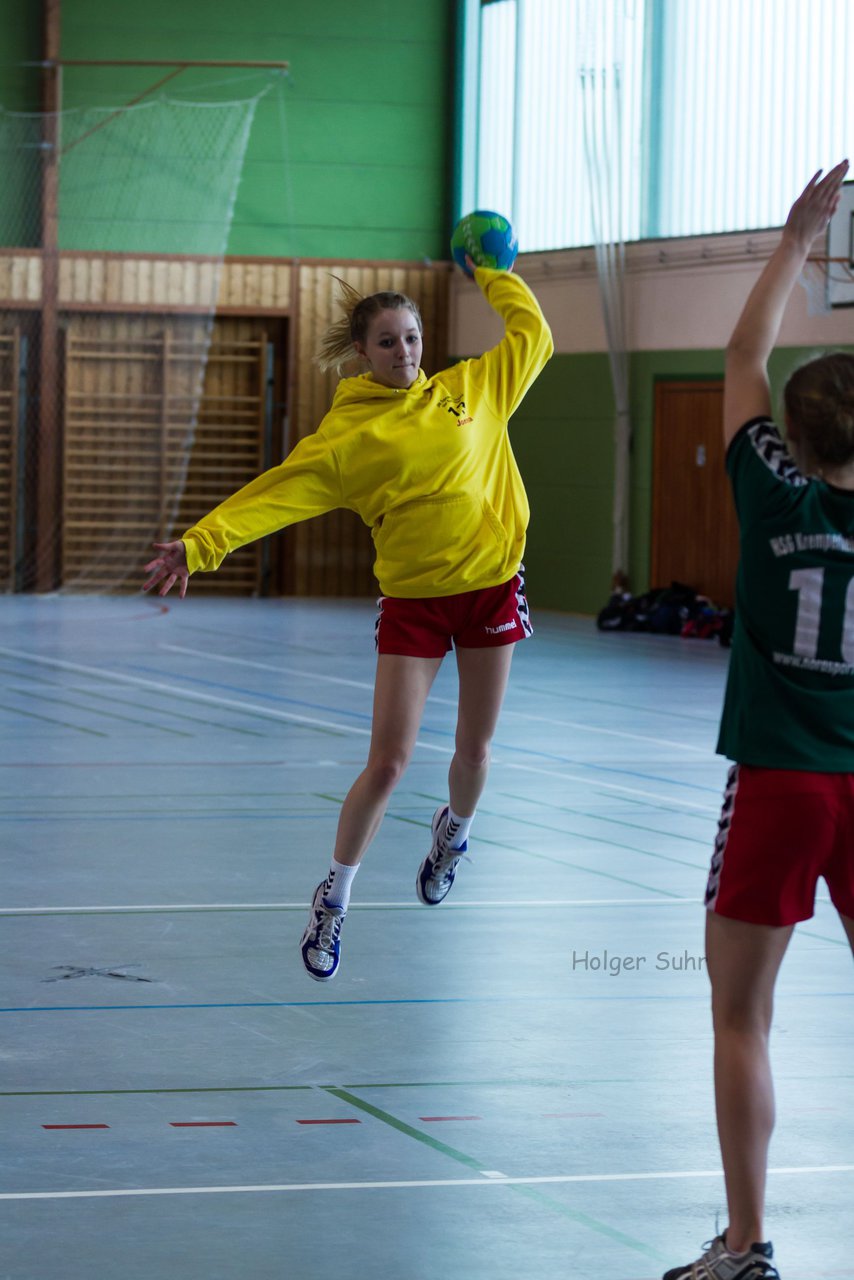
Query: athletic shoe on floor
{"x": 320, "y": 946}
{"x": 717, "y": 1263}
{"x": 437, "y": 871}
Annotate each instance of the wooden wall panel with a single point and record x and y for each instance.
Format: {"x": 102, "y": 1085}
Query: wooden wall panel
{"x": 117, "y": 282}
{"x": 134, "y": 466}
{"x": 333, "y": 554}
{"x": 20, "y": 278}
{"x": 148, "y": 447}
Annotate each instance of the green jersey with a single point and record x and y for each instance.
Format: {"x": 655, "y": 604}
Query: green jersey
{"x": 789, "y": 700}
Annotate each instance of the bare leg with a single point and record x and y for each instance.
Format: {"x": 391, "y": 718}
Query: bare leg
{"x": 848, "y": 926}
{"x": 483, "y": 677}
{"x": 743, "y": 961}
{"x": 400, "y": 692}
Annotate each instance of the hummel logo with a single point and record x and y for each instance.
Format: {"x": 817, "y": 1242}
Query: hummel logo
{"x": 505, "y": 626}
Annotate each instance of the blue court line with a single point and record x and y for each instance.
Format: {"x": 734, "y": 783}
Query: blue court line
{"x": 319, "y": 1004}
{"x": 264, "y": 694}
{"x": 439, "y": 733}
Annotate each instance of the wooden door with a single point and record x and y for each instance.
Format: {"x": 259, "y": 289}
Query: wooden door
{"x": 694, "y": 527}
{"x": 10, "y": 359}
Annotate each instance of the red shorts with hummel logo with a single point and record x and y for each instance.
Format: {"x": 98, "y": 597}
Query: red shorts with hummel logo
{"x": 430, "y": 627}
{"x": 780, "y": 830}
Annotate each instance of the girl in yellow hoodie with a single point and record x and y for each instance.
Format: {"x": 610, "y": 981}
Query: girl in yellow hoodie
{"x": 427, "y": 464}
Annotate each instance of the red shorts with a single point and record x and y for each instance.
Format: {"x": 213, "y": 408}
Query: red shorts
{"x": 471, "y": 620}
{"x": 779, "y": 830}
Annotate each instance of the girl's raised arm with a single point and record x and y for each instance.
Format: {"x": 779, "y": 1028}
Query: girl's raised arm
{"x": 746, "y": 389}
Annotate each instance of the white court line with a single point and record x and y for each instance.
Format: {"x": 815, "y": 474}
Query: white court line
{"x": 269, "y": 666}
{"x": 217, "y": 700}
{"x": 482, "y": 1181}
{"x": 354, "y": 906}
{"x": 273, "y": 714}
{"x": 446, "y": 702}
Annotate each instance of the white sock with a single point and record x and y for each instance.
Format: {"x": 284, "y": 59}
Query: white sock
{"x": 338, "y": 882}
{"x": 458, "y": 829}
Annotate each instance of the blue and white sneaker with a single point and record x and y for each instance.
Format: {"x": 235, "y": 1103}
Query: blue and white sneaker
{"x": 437, "y": 871}
{"x": 717, "y": 1263}
{"x": 321, "y": 946}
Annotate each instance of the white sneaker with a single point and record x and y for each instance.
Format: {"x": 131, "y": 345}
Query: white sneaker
{"x": 717, "y": 1263}
{"x": 320, "y": 946}
{"x": 437, "y": 871}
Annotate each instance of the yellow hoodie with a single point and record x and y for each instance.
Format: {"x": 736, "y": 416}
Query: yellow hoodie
{"x": 428, "y": 468}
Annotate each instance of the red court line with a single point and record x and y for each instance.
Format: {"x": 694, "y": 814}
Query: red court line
{"x": 202, "y": 1124}
{"x": 329, "y": 1122}
{"x": 431, "y": 1118}
{"x": 75, "y": 1126}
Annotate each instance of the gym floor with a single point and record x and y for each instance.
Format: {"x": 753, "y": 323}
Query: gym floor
{"x": 514, "y": 1084}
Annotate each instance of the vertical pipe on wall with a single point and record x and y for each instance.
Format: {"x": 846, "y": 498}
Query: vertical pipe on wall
{"x": 464, "y": 150}
{"x": 47, "y": 443}
{"x": 519, "y": 100}
{"x": 652, "y": 138}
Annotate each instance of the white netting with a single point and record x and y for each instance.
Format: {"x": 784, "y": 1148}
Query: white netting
{"x": 145, "y": 199}
{"x": 602, "y": 41}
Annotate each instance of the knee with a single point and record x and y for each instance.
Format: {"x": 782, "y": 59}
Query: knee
{"x": 740, "y": 1018}
{"x": 473, "y": 754}
{"x": 385, "y": 772}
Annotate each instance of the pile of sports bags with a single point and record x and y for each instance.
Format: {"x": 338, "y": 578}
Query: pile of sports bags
{"x": 676, "y": 610}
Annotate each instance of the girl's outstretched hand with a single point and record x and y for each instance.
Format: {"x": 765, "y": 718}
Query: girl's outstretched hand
{"x": 815, "y": 206}
{"x": 168, "y": 568}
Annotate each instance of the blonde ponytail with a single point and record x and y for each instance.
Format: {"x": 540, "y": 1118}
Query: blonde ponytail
{"x": 337, "y": 346}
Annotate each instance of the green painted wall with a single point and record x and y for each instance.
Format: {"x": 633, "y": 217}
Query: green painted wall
{"x": 20, "y": 25}
{"x": 563, "y": 440}
{"x": 20, "y": 91}
{"x": 349, "y": 158}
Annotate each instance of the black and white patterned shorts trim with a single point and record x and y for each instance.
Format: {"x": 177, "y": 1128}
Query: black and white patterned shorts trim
{"x": 522, "y": 603}
{"x": 724, "y": 824}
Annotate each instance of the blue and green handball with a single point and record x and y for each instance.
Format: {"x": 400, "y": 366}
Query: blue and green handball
{"x": 488, "y": 239}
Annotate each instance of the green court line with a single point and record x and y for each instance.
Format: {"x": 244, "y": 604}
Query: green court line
{"x": 33, "y": 715}
{"x": 162, "y": 711}
{"x": 271, "y": 641}
{"x": 559, "y": 862}
{"x": 344, "y": 1095}
{"x": 110, "y": 1093}
{"x": 244, "y": 711}
{"x": 109, "y": 715}
{"x": 125, "y": 702}
{"x": 691, "y": 717}
{"x": 504, "y": 1085}
{"x": 583, "y": 1219}
{"x": 614, "y": 822}
{"x": 805, "y": 933}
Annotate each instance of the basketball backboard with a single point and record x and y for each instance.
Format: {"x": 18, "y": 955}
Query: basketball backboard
{"x": 840, "y": 251}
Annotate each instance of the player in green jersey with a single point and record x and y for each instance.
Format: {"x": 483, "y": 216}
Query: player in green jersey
{"x": 788, "y": 719}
